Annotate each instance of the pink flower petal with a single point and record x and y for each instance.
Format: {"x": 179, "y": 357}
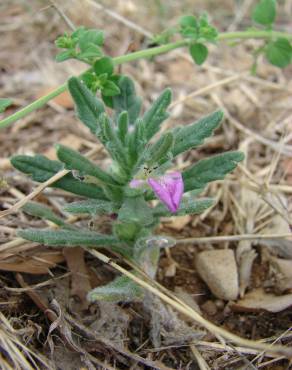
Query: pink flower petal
{"x": 161, "y": 193}
{"x": 169, "y": 189}
{"x": 136, "y": 183}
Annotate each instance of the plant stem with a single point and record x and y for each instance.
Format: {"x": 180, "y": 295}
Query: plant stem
{"x": 147, "y": 53}
{"x": 32, "y": 106}
{"x": 253, "y": 34}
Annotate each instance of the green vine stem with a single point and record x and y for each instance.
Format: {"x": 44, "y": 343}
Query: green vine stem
{"x": 148, "y": 53}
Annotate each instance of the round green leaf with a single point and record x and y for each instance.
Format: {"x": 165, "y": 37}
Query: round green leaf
{"x": 264, "y": 12}
{"x": 189, "y": 26}
{"x": 104, "y": 65}
{"x": 110, "y": 89}
{"x": 188, "y": 21}
{"x": 92, "y": 51}
{"x": 90, "y": 37}
{"x": 199, "y": 53}
{"x": 279, "y": 53}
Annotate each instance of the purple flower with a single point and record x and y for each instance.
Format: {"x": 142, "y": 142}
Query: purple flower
{"x": 168, "y": 188}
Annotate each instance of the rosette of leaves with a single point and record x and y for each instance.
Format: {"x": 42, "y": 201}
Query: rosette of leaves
{"x": 130, "y": 139}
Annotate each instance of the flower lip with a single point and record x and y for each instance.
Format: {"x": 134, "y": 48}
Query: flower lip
{"x": 169, "y": 189}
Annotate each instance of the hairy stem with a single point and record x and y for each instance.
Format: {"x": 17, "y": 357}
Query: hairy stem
{"x": 147, "y": 53}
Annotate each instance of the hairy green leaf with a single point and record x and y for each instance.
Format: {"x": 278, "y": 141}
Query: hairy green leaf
{"x": 210, "y": 169}
{"x": 135, "y": 141}
{"x": 41, "y": 169}
{"x": 68, "y": 238}
{"x": 92, "y": 206}
{"x": 159, "y": 150}
{"x": 187, "y": 206}
{"x": 109, "y": 137}
{"x": 88, "y": 106}
{"x": 127, "y": 100}
{"x": 75, "y": 161}
{"x": 154, "y": 117}
{"x": 191, "y": 136}
{"x": 39, "y": 210}
{"x": 122, "y": 289}
{"x": 123, "y": 124}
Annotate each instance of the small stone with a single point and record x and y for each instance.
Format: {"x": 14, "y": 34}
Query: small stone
{"x": 282, "y": 269}
{"x": 170, "y": 270}
{"x": 209, "y": 307}
{"x": 178, "y": 223}
{"x": 219, "y": 271}
{"x": 219, "y": 304}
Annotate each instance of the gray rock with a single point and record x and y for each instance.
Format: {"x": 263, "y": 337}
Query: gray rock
{"x": 219, "y": 271}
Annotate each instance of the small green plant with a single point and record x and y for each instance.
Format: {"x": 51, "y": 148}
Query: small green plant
{"x": 141, "y": 171}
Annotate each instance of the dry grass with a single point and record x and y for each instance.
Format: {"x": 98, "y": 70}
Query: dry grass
{"x": 258, "y": 121}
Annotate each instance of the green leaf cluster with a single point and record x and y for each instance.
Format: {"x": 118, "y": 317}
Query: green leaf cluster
{"x": 198, "y": 31}
{"x": 83, "y": 44}
{"x": 102, "y": 78}
{"x": 278, "y": 51}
